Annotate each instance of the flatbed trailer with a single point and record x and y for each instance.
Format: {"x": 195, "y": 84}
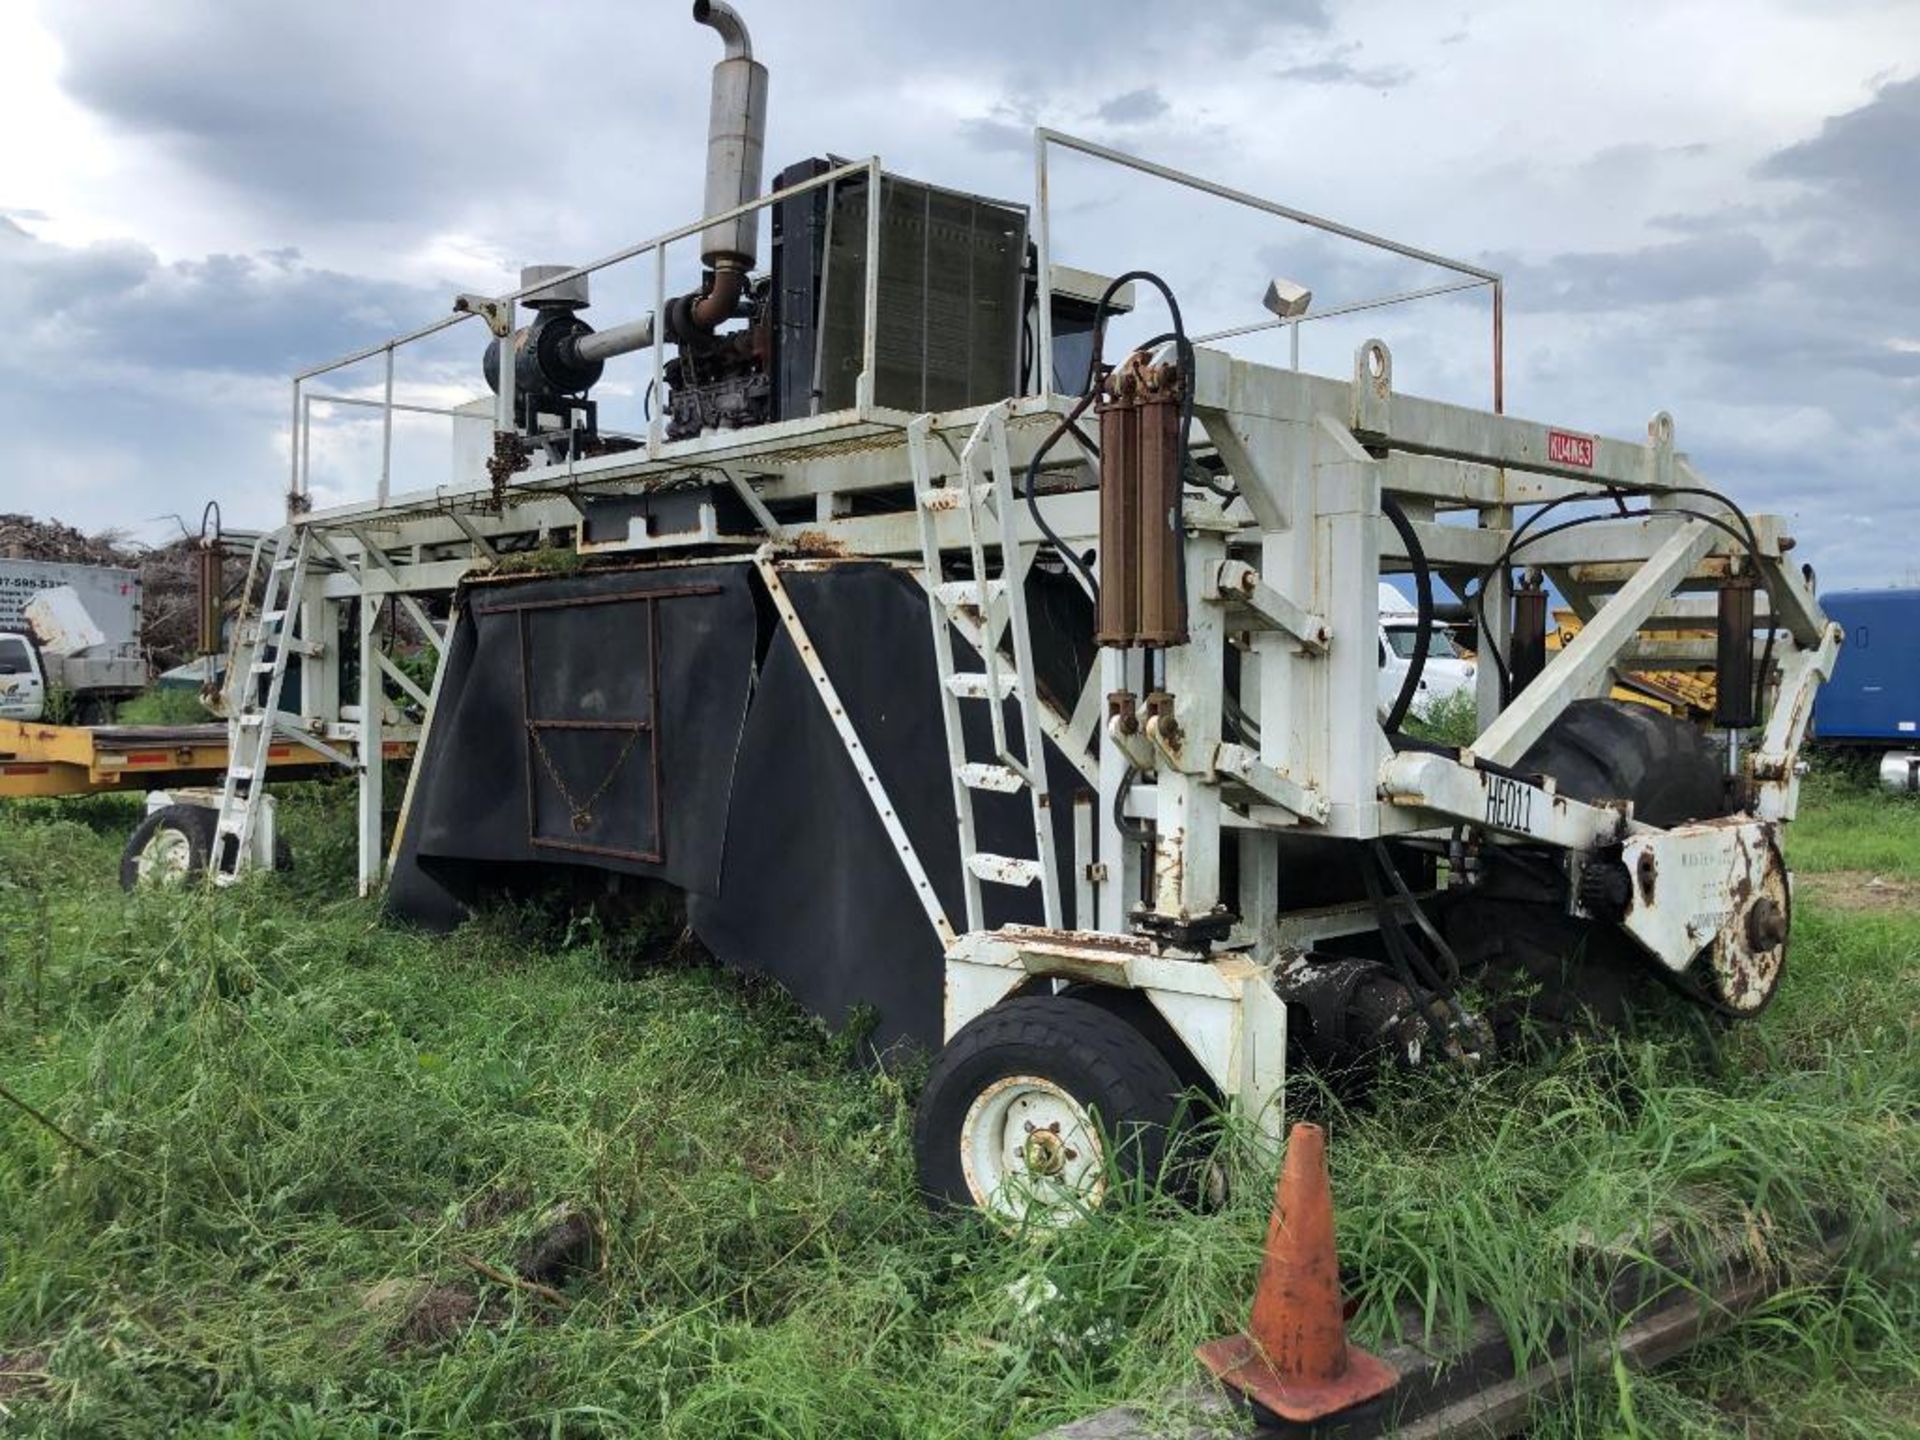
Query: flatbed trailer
{"x": 54, "y": 760}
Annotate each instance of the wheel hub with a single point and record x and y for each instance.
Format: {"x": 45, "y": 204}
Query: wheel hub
{"x": 167, "y": 859}
{"x": 1045, "y": 1153}
{"x": 1030, "y": 1152}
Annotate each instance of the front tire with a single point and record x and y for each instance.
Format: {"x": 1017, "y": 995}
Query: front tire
{"x": 1037, "y": 1108}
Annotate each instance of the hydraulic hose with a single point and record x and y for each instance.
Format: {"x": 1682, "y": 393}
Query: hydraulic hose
{"x": 1423, "y": 592}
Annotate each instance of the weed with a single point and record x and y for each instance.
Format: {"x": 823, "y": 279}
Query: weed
{"x": 163, "y": 707}
{"x": 1450, "y": 720}
{"x": 329, "y": 1153}
{"x": 558, "y": 560}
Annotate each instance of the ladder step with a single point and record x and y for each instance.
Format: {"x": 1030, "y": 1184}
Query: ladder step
{"x": 976, "y": 685}
{"x": 287, "y": 563}
{"x": 1004, "y": 869}
{"x": 1002, "y": 778}
{"x": 263, "y": 667}
{"x": 956, "y": 593}
{"x": 273, "y": 617}
{"x": 253, "y": 719}
{"x": 240, "y": 772}
{"x": 954, "y": 497}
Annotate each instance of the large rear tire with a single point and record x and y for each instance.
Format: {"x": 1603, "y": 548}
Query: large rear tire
{"x": 1036, "y": 1109}
{"x": 1549, "y": 974}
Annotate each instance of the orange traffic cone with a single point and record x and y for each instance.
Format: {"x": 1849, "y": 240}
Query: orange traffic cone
{"x": 1293, "y": 1357}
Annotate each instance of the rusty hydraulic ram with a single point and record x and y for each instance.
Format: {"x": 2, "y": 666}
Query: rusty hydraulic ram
{"x": 208, "y": 584}
{"x": 1142, "y": 599}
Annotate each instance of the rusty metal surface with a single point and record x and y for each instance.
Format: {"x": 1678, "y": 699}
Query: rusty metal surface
{"x": 1142, "y": 594}
{"x": 1751, "y": 949}
{"x": 1714, "y": 894}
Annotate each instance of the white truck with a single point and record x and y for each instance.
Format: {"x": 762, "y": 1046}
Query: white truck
{"x": 1446, "y": 672}
{"x": 61, "y": 647}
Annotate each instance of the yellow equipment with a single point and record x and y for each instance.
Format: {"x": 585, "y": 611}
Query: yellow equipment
{"x": 1685, "y": 693}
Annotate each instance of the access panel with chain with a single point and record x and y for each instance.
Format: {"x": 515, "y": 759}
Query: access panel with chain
{"x": 590, "y": 707}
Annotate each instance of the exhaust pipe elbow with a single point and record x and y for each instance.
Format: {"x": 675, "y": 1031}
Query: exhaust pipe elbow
{"x": 733, "y": 30}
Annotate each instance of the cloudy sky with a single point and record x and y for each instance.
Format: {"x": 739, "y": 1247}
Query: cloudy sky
{"x": 1711, "y": 207}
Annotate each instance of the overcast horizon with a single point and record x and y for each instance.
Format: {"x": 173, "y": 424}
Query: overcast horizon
{"x": 1702, "y": 207}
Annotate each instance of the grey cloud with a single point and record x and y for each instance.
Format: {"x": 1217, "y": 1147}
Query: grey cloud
{"x": 998, "y": 136}
{"x": 1340, "y": 66}
{"x": 436, "y": 110}
{"x": 267, "y": 314}
{"x": 181, "y": 371}
{"x": 1134, "y": 107}
{"x": 1869, "y": 157}
{"x": 1777, "y": 331}
{"x": 1707, "y": 222}
{"x": 1708, "y": 266}
{"x": 1339, "y": 72}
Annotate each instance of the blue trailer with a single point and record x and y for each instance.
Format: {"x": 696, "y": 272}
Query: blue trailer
{"x": 1873, "y": 700}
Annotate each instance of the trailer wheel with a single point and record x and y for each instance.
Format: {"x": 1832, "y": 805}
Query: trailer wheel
{"x": 1551, "y": 972}
{"x": 1039, "y": 1107}
{"x": 172, "y": 846}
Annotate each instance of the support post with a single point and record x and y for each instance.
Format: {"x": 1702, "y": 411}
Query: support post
{"x": 870, "y": 307}
{"x": 1117, "y": 897}
{"x": 1496, "y": 624}
{"x": 386, "y": 435}
{"x": 1043, "y": 240}
{"x": 372, "y": 771}
{"x": 1186, "y": 870}
{"x": 295, "y": 477}
{"x": 1346, "y": 559}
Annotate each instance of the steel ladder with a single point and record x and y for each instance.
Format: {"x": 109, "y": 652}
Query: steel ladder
{"x": 983, "y": 609}
{"x": 262, "y": 650}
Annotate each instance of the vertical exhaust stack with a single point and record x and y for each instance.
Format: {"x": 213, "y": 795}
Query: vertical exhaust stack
{"x": 736, "y": 138}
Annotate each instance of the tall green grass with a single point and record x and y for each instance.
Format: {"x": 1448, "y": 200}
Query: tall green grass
{"x": 303, "y": 1128}
{"x": 1854, "y": 825}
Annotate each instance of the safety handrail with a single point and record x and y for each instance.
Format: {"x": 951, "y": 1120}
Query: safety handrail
{"x": 1478, "y": 278}
{"x": 298, "y": 494}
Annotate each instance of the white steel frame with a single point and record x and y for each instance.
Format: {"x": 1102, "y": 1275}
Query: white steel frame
{"x": 1287, "y": 572}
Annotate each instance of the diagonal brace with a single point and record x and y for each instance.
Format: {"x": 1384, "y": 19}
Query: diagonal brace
{"x": 1574, "y": 670}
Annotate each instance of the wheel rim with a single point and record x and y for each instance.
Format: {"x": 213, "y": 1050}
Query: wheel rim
{"x": 166, "y": 859}
{"x": 1031, "y": 1152}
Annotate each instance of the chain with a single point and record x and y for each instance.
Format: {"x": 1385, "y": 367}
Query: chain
{"x": 581, "y": 812}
